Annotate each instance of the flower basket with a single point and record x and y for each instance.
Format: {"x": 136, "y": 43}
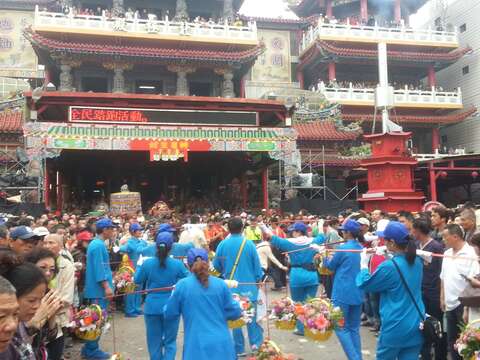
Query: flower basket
{"x": 235, "y": 324}
{"x": 322, "y": 270}
{"x": 283, "y": 313}
{"x": 88, "y": 322}
{"x": 320, "y": 318}
{"x": 270, "y": 351}
{"x": 248, "y": 312}
{"x": 123, "y": 280}
{"x": 285, "y": 324}
{"x": 318, "y": 336}
{"x": 468, "y": 343}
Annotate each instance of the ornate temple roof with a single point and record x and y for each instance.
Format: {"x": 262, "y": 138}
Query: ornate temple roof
{"x": 11, "y": 121}
{"x": 325, "y": 130}
{"x": 150, "y": 53}
{"x": 327, "y": 49}
{"x": 450, "y": 118}
{"x": 316, "y": 158}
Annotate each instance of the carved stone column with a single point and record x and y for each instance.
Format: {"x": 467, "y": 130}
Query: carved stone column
{"x": 118, "y": 69}
{"x": 118, "y": 81}
{"x": 66, "y": 79}
{"x": 118, "y": 8}
{"x": 182, "y": 81}
{"x": 181, "y": 11}
{"x": 228, "y": 90}
{"x": 228, "y": 12}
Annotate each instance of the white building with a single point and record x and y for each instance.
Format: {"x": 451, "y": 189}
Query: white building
{"x": 465, "y": 73}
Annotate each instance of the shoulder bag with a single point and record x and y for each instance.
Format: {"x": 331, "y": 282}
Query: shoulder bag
{"x": 431, "y": 328}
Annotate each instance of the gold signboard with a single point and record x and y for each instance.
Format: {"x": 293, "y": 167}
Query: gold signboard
{"x": 275, "y": 63}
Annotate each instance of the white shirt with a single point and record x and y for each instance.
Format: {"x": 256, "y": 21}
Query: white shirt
{"x": 265, "y": 253}
{"x": 453, "y": 282}
{"x": 193, "y": 235}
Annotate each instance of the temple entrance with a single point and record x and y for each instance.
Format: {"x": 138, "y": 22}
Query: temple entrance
{"x": 206, "y": 180}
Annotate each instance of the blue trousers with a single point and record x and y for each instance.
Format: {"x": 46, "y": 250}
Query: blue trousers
{"x": 302, "y": 294}
{"x": 133, "y": 303}
{"x": 91, "y": 348}
{"x": 349, "y": 335}
{"x": 161, "y": 337}
{"x": 403, "y": 353}
{"x": 255, "y": 335}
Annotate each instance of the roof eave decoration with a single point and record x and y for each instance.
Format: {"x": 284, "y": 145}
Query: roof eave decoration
{"x": 327, "y": 130}
{"x": 413, "y": 119}
{"x": 156, "y": 53}
{"x": 326, "y": 48}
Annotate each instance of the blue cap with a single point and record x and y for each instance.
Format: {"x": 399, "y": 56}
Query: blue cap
{"x": 104, "y": 224}
{"x": 165, "y": 227}
{"x": 350, "y": 225}
{"x": 298, "y": 226}
{"x": 397, "y": 232}
{"x": 165, "y": 238}
{"x": 135, "y": 227}
{"x": 195, "y": 253}
{"x": 22, "y": 233}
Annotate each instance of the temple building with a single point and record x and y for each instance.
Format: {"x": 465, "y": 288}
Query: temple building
{"x": 154, "y": 99}
{"x": 338, "y": 58}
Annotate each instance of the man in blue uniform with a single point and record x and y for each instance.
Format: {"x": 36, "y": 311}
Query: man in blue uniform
{"x": 98, "y": 279}
{"x": 237, "y": 259}
{"x": 133, "y": 248}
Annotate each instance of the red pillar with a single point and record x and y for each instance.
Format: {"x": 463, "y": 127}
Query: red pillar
{"x": 435, "y": 139}
{"x": 243, "y": 189}
{"x": 265, "y": 187}
{"x": 242, "y": 87}
{"x": 432, "y": 79}
{"x": 398, "y": 11}
{"x": 329, "y": 10}
{"x": 300, "y": 79}
{"x": 433, "y": 183}
{"x": 364, "y": 10}
{"x": 332, "y": 71}
{"x": 46, "y": 187}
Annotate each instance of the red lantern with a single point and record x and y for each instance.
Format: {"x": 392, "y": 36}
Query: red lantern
{"x": 443, "y": 174}
{"x": 474, "y": 174}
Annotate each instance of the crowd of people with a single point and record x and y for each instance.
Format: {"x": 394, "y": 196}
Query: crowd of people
{"x": 389, "y": 270}
{"x": 138, "y": 13}
{"x": 397, "y": 85}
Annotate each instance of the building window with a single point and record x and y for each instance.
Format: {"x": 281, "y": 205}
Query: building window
{"x": 465, "y": 70}
{"x": 463, "y": 28}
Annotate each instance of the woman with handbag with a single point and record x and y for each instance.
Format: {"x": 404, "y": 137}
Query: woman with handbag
{"x": 399, "y": 282}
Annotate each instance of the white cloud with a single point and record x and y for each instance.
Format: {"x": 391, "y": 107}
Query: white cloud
{"x": 273, "y": 9}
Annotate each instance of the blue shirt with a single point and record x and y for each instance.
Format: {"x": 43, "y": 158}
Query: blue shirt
{"x": 134, "y": 247}
{"x": 400, "y": 319}
{"x": 97, "y": 269}
{"x": 181, "y": 250}
{"x": 346, "y": 266}
{"x": 205, "y": 313}
{"x": 154, "y": 276}
{"x": 300, "y": 277}
{"x": 248, "y": 270}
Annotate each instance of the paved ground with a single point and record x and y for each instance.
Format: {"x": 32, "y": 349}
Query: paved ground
{"x": 130, "y": 341}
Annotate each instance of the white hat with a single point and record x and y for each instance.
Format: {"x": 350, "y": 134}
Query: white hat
{"x": 226, "y": 216}
{"x": 363, "y": 221}
{"x": 243, "y": 215}
{"x": 381, "y": 225}
{"x": 41, "y": 231}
